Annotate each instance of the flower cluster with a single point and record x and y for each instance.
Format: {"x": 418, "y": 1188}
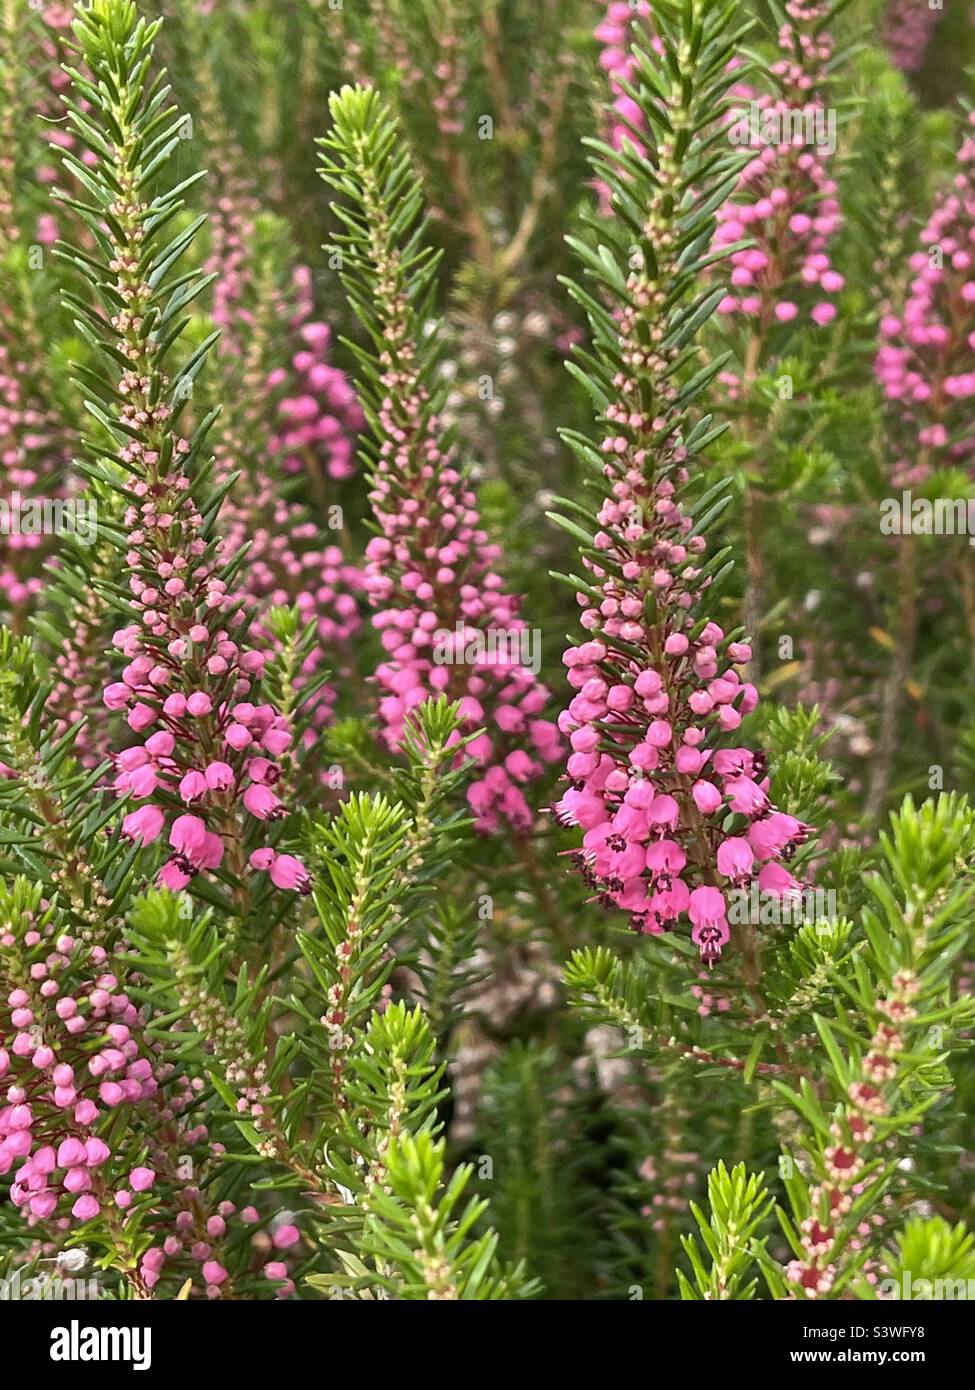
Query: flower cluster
{"x": 654, "y": 774}
{"x": 187, "y": 680}
{"x": 33, "y": 449}
{"x": 74, "y": 1050}
{"x": 440, "y": 604}
{"x": 290, "y": 560}
{"x": 674, "y": 811}
{"x": 194, "y": 1245}
{"x": 668, "y": 1179}
{"x": 289, "y": 563}
{"x": 926, "y": 360}
{"x": 231, "y": 232}
{"x": 319, "y": 416}
{"x": 786, "y": 203}
{"x": 301, "y": 417}
{"x": 84, "y": 664}
{"x": 50, "y": 54}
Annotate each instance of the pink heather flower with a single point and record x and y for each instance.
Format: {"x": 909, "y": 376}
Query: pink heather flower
{"x": 735, "y": 859}
{"x": 141, "y": 1179}
{"x": 188, "y": 835}
{"x": 96, "y": 1152}
{"x": 706, "y": 910}
{"x": 141, "y": 716}
{"x": 261, "y": 802}
{"x": 285, "y": 1236}
{"x": 192, "y": 786}
{"x": 772, "y": 878}
{"x": 314, "y": 418}
{"x": 141, "y": 781}
{"x": 276, "y": 741}
{"x": 160, "y": 745}
{"x": 219, "y": 776}
{"x": 745, "y": 796}
{"x": 665, "y": 857}
{"x": 144, "y": 825}
{"x": 70, "y": 1153}
{"x": 116, "y": 695}
{"x": 175, "y": 878}
{"x": 288, "y": 872}
{"x": 706, "y": 906}
{"x": 285, "y": 870}
{"x": 775, "y": 833}
{"x": 706, "y": 796}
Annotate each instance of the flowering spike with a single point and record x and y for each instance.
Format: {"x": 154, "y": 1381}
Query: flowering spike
{"x": 447, "y": 624}
{"x": 190, "y": 686}
{"x": 673, "y": 811}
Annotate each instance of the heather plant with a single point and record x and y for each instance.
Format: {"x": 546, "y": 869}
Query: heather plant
{"x": 485, "y": 808}
{"x": 430, "y": 572}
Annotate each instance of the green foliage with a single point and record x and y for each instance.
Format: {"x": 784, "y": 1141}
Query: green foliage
{"x": 662, "y": 226}
{"x": 422, "y": 1234}
{"x": 738, "y": 1204}
{"x": 900, "y": 979}
{"x": 133, "y": 210}
{"x": 387, "y": 267}
{"x": 534, "y": 1167}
